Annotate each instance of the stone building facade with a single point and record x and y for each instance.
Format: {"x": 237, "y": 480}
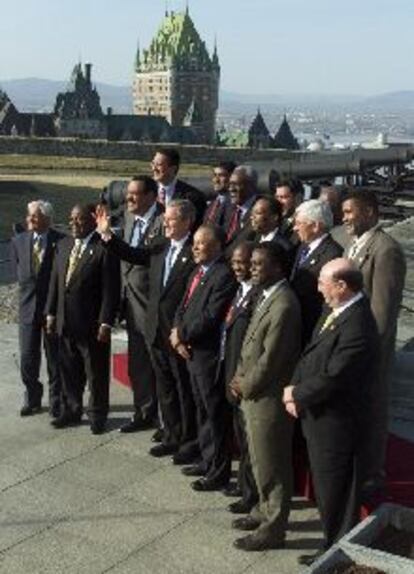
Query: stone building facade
{"x": 177, "y": 79}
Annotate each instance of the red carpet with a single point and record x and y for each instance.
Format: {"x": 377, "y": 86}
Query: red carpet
{"x": 399, "y": 465}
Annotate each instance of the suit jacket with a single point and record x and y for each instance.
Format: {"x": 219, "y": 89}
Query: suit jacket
{"x": 163, "y": 300}
{"x": 134, "y": 277}
{"x": 92, "y": 294}
{"x": 184, "y": 190}
{"x": 271, "y": 346}
{"x": 235, "y": 328}
{"x": 217, "y": 211}
{"x": 33, "y": 288}
{"x": 337, "y": 372}
{"x": 199, "y": 322}
{"x": 383, "y": 266}
{"x": 304, "y": 280}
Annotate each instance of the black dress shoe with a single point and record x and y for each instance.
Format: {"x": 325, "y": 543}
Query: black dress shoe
{"x": 239, "y": 507}
{"x": 135, "y": 425}
{"x": 232, "y": 490}
{"x": 97, "y": 427}
{"x": 29, "y": 410}
{"x": 254, "y": 543}
{"x": 157, "y": 436}
{"x": 66, "y": 421}
{"x": 160, "y": 450}
{"x": 246, "y": 523}
{"x": 184, "y": 458}
{"x": 207, "y": 485}
{"x": 309, "y": 559}
{"x": 193, "y": 470}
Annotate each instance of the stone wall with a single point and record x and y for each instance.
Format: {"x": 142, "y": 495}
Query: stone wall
{"x": 71, "y": 147}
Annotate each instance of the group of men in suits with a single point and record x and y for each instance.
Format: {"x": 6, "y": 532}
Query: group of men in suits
{"x": 221, "y": 302}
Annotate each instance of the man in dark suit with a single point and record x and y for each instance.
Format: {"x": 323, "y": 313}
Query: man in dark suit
{"x": 382, "y": 263}
{"x": 217, "y": 210}
{"x": 170, "y": 263}
{"x": 196, "y": 336}
{"x": 143, "y": 222}
{"x": 269, "y": 354}
{"x": 313, "y": 220}
{"x": 331, "y": 390}
{"x": 81, "y": 307}
{"x": 165, "y": 166}
{"x": 243, "y": 194}
{"x": 235, "y": 326}
{"x": 289, "y": 193}
{"x": 32, "y": 254}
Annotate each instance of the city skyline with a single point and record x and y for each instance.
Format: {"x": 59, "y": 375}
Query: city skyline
{"x": 286, "y": 47}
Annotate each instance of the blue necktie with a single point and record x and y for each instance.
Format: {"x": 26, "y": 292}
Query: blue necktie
{"x": 169, "y": 263}
{"x": 303, "y": 255}
{"x": 136, "y": 233}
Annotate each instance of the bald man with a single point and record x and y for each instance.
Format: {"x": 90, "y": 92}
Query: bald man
{"x": 331, "y": 392}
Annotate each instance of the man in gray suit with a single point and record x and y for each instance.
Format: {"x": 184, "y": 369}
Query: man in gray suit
{"x": 32, "y": 254}
{"x": 270, "y": 350}
{"x": 143, "y": 221}
{"x": 382, "y": 263}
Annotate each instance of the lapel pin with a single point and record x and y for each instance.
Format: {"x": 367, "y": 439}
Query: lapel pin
{"x": 184, "y": 259}
{"x": 90, "y": 251}
{"x": 312, "y": 262}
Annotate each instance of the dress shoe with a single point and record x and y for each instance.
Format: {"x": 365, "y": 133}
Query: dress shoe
{"x": 246, "y": 523}
{"x": 309, "y": 559}
{"x": 239, "y": 507}
{"x": 207, "y": 484}
{"x": 54, "y": 412}
{"x": 97, "y": 427}
{"x": 193, "y": 470}
{"x": 66, "y": 421}
{"x": 157, "y": 436}
{"x": 135, "y": 425}
{"x": 160, "y": 450}
{"x": 232, "y": 490}
{"x": 184, "y": 458}
{"x": 254, "y": 543}
{"x": 29, "y": 410}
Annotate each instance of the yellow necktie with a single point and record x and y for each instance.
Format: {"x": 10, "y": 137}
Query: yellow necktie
{"x": 328, "y": 322}
{"x": 74, "y": 257}
{"x": 37, "y": 255}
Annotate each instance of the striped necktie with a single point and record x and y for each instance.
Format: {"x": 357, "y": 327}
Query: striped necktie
{"x": 169, "y": 263}
{"x": 328, "y": 322}
{"x": 74, "y": 258}
{"x": 136, "y": 232}
{"x": 37, "y": 254}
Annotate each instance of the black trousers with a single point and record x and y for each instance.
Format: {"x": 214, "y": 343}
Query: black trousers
{"x": 85, "y": 362}
{"x": 336, "y": 472}
{"x": 212, "y": 422}
{"x": 175, "y": 397}
{"x": 140, "y": 370}
{"x": 30, "y": 342}
{"x": 245, "y": 478}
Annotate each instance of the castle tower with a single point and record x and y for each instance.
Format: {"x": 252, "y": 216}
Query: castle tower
{"x": 284, "y": 138}
{"x": 177, "y": 78}
{"x": 258, "y": 134}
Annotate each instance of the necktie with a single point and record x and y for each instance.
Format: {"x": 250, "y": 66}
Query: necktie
{"x": 328, "y": 322}
{"x": 260, "y": 301}
{"x": 234, "y": 222}
{"x": 74, "y": 258}
{"x": 212, "y": 210}
{"x": 234, "y": 304}
{"x": 169, "y": 263}
{"x": 37, "y": 254}
{"x": 162, "y": 195}
{"x": 193, "y": 285}
{"x": 136, "y": 232}
{"x": 353, "y": 250}
{"x": 303, "y": 255}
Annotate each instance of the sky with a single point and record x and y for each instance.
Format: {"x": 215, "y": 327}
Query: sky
{"x": 361, "y": 47}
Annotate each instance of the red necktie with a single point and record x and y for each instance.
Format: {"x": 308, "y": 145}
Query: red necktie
{"x": 193, "y": 285}
{"x": 212, "y": 210}
{"x": 234, "y": 222}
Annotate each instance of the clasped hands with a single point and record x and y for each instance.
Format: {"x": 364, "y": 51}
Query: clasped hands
{"x": 289, "y": 402}
{"x": 179, "y": 346}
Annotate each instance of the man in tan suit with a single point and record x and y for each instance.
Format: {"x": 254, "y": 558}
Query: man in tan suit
{"x": 270, "y": 350}
{"x": 382, "y": 263}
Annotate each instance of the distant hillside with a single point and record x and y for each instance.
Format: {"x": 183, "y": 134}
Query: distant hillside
{"x": 36, "y": 94}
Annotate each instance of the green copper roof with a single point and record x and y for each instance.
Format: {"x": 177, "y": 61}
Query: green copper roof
{"x": 177, "y": 44}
